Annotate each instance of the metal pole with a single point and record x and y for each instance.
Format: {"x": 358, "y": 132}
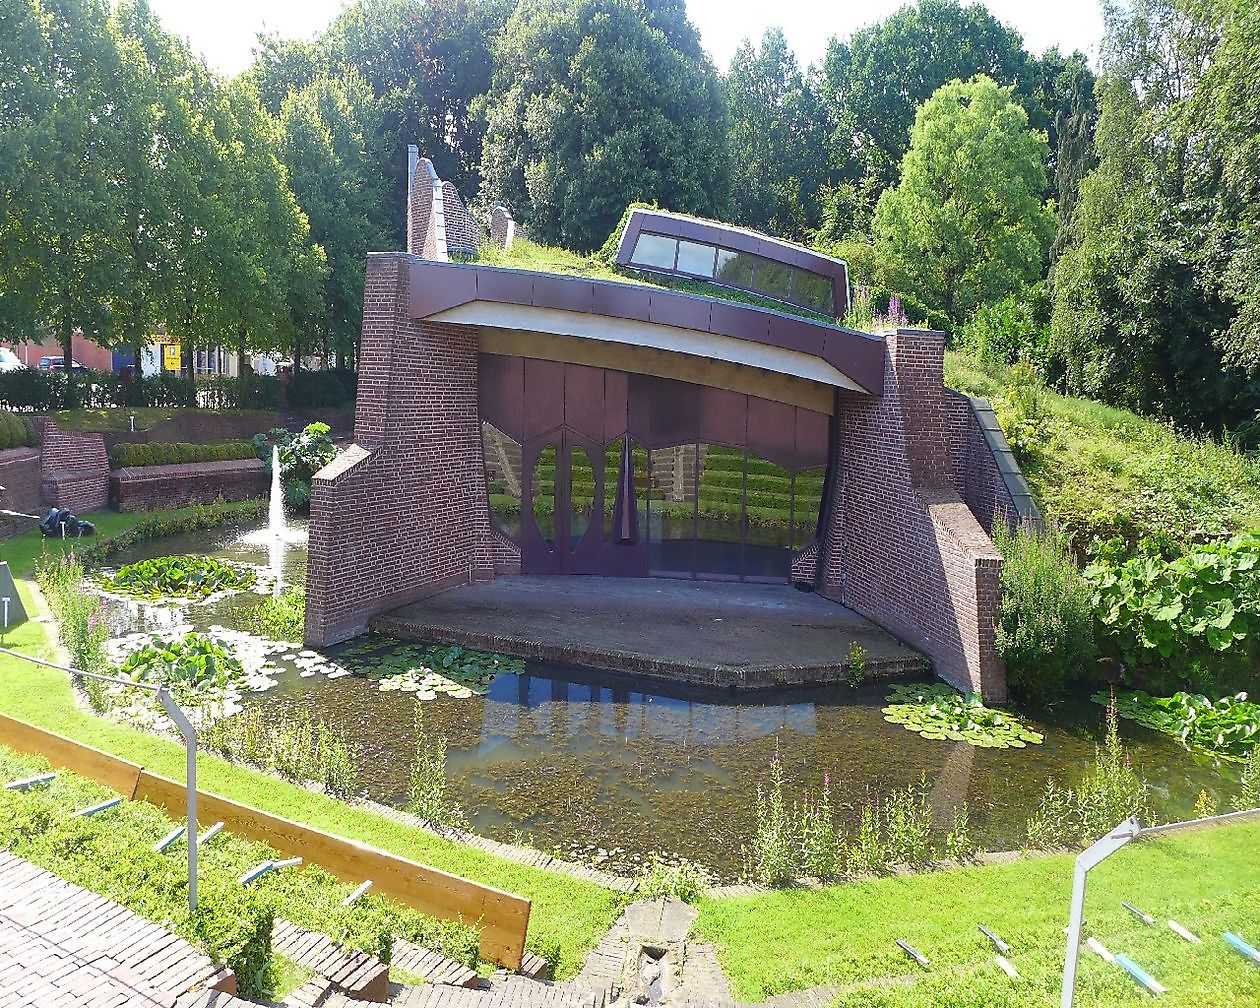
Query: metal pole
{"x": 190, "y": 745}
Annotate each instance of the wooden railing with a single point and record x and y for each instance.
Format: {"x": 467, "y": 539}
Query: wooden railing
{"x": 501, "y": 917}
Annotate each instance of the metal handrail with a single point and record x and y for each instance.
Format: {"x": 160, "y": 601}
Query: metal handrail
{"x": 186, "y": 729}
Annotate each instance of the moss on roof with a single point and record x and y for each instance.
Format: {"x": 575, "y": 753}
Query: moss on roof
{"x": 527, "y": 255}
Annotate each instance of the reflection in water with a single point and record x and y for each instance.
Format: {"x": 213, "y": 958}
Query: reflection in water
{"x": 569, "y": 758}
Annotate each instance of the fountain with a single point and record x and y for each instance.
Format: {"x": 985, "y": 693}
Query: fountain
{"x": 275, "y": 525}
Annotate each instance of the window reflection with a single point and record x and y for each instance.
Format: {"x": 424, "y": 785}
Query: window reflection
{"x": 582, "y": 494}
{"x": 503, "y": 479}
{"x": 544, "y": 495}
{"x": 813, "y": 291}
{"x": 655, "y": 250}
{"x": 672, "y": 509}
{"x": 768, "y": 552}
{"x": 695, "y": 258}
{"x": 808, "y": 494}
{"x": 773, "y": 278}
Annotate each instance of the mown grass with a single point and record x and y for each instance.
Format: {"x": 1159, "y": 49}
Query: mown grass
{"x": 118, "y": 418}
{"x": 568, "y": 915}
{"x": 843, "y": 936}
{"x": 1101, "y": 471}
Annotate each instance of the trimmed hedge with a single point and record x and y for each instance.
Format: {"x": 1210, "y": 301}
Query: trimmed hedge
{"x": 16, "y": 432}
{"x": 321, "y": 389}
{"x": 30, "y": 390}
{"x": 159, "y": 453}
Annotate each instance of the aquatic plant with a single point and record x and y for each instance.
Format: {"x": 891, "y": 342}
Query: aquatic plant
{"x": 1248, "y": 796}
{"x": 959, "y": 846}
{"x": 280, "y": 619}
{"x": 856, "y": 662}
{"x": 774, "y": 850}
{"x": 190, "y": 577}
{"x": 427, "y": 668}
{"x": 937, "y": 711}
{"x": 195, "y": 661}
{"x": 81, "y": 623}
{"x": 1228, "y": 727}
{"x": 679, "y": 879}
{"x": 299, "y": 747}
{"x": 1109, "y": 793}
{"x": 427, "y": 794}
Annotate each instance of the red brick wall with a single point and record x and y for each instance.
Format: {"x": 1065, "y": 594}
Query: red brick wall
{"x": 900, "y": 546}
{"x": 20, "y": 477}
{"x": 141, "y": 488}
{"x": 403, "y": 512}
{"x": 461, "y": 232}
{"x": 76, "y": 469}
{"x": 502, "y": 227}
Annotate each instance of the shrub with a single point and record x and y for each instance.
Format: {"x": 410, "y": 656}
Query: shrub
{"x": 1046, "y": 619}
{"x": 127, "y": 454}
{"x": 1009, "y": 330}
{"x": 321, "y": 389}
{"x": 32, "y": 390}
{"x": 1191, "y": 621}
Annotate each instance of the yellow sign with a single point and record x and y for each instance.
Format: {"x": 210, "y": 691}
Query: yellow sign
{"x": 171, "y": 360}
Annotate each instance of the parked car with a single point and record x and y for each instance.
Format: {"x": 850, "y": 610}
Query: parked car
{"x": 9, "y": 361}
{"x": 57, "y": 364}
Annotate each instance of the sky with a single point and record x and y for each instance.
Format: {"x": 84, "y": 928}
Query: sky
{"x": 224, "y": 31}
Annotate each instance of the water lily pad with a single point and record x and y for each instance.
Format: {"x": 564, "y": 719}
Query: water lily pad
{"x": 939, "y": 713}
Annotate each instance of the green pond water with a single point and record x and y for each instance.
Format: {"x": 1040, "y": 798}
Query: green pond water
{"x": 587, "y": 763}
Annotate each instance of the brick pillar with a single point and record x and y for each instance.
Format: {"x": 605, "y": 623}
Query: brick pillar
{"x": 401, "y": 513}
{"x": 899, "y": 545}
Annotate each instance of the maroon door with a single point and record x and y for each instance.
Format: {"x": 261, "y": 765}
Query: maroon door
{"x": 562, "y": 495}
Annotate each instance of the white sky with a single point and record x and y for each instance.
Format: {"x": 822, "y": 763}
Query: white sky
{"x": 224, "y": 31}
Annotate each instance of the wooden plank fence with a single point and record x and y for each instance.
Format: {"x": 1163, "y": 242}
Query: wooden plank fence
{"x": 502, "y": 917}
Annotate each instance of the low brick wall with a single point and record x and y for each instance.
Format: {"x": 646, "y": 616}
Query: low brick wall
{"x": 75, "y": 469}
{"x": 20, "y": 477}
{"x": 141, "y": 488}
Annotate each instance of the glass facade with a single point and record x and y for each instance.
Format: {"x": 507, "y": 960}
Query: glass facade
{"x": 789, "y": 284}
{"x": 503, "y": 479}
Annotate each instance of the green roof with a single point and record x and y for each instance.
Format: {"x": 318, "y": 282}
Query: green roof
{"x": 527, "y": 255}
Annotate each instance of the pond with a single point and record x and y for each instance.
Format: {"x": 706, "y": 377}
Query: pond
{"x": 595, "y": 764}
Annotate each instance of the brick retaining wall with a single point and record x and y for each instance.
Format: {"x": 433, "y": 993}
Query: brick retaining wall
{"x": 20, "y": 477}
{"x": 141, "y": 488}
{"x": 901, "y": 546}
{"x": 75, "y": 469}
{"x": 401, "y": 513}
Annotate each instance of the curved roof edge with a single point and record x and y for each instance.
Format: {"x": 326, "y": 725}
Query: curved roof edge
{"x": 439, "y": 286}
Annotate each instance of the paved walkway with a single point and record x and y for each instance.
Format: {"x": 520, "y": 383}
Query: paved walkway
{"x": 63, "y": 945}
{"x": 710, "y": 633}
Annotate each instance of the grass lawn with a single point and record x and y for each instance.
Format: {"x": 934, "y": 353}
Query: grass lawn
{"x": 1097, "y": 469}
{"x": 1208, "y": 880}
{"x": 568, "y": 915}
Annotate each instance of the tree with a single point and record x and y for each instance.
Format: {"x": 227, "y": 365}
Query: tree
{"x": 595, "y": 104}
{"x": 1145, "y": 313}
{"x": 1068, "y": 94}
{"x": 64, "y": 228}
{"x": 777, "y": 140}
{"x": 323, "y": 144}
{"x": 967, "y": 224}
{"x": 424, "y": 64}
{"x": 874, "y": 83}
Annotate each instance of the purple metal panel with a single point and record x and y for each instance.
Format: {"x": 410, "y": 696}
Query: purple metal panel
{"x": 680, "y": 310}
{"x": 584, "y": 401}
{"x": 796, "y": 334}
{"x": 813, "y": 433}
{"x": 544, "y": 397}
{"x": 506, "y": 286}
{"x": 742, "y": 323}
{"x": 616, "y": 404}
{"x": 435, "y": 287}
{"x": 501, "y": 393}
{"x": 673, "y": 410}
{"x": 723, "y": 416}
{"x": 858, "y": 355}
{"x": 772, "y": 431}
{"x": 564, "y": 293}
{"x": 619, "y": 300}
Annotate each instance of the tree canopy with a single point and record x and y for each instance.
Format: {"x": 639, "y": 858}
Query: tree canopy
{"x": 595, "y": 104}
{"x": 967, "y": 223}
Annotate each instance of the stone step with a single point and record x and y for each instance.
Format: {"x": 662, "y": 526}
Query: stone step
{"x": 432, "y": 966}
{"x": 355, "y": 973}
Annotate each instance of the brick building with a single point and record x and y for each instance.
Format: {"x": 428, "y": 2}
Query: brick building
{"x": 512, "y": 421}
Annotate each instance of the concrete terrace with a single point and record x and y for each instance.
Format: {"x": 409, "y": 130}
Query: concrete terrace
{"x": 703, "y": 632}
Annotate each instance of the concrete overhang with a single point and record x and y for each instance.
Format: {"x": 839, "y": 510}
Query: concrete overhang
{"x": 651, "y": 317}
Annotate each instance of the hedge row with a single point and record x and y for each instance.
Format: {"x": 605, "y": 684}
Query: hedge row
{"x": 16, "y": 432}
{"x": 158, "y": 453}
{"x": 35, "y": 391}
